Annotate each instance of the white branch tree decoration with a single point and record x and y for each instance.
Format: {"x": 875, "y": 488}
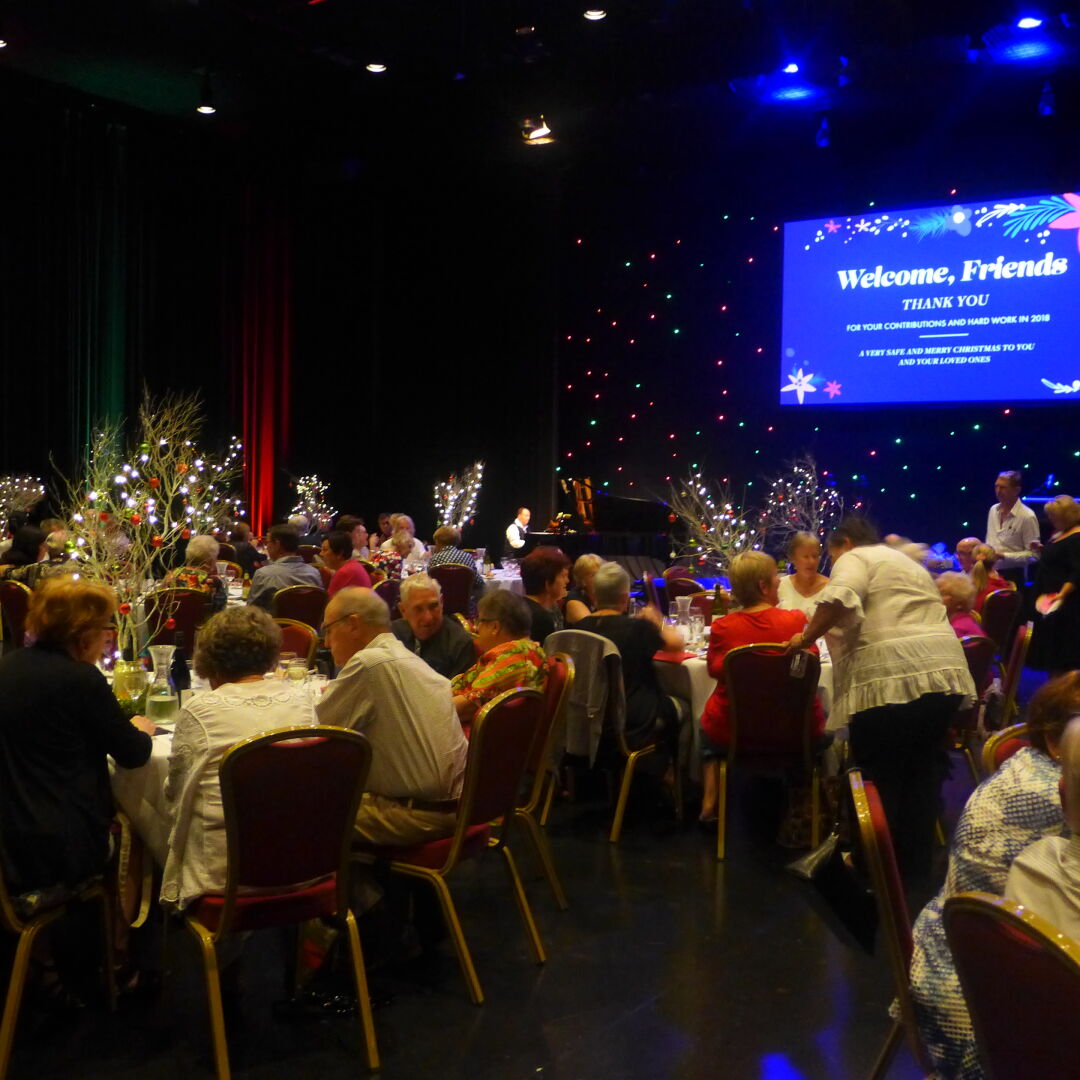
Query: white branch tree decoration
{"x": 717, "y": 528}
{"x": 18, "y": 493}
{"x": 311, "y": 500}
{"x": 455, "y": 497}
{"x": 800, "y": 500}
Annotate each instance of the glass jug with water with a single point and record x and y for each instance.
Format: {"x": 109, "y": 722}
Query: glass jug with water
{"x": 161, "y": 700}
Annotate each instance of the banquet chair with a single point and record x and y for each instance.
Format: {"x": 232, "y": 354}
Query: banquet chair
{"x": 979, "y": 654}
{"x": 188, "y": 609}
{"x": 700, "y": 604}
{"x": 879, "y": 859}
{"x": 1002, "y": 745}
{"x": 543, "y": 769}
{"x": 373, "y": 571}
{"x": 1010, "y": 681}
{"x": 307, "y": 552}
{"x": 771, "y": 720}
{"x": 299, "y": 638}
{"x": 25, "y": 918}
{"x": 14, "y": 604}
{"x": 290, "y": 799}
{"x": 234, "y": 571}
{"x": 999, "y": 612}
{"x": 681, "y": 586}
{"x": 1021, "y": 982}
{"x": 456, "y": 583}
{"x": 652, "y": 586}
{"x": 226, "y": 551}
{"x": 499, "y": 749}
{"x": 390, "y": 591}
{"x": 302, "y": 603}
{"x": 679, "y": 572}
{"x": 326, "y": 574}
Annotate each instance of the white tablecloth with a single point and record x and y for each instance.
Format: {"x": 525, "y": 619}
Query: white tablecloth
{"x": 500, "y": 579}
{"x": 140, "y": 793}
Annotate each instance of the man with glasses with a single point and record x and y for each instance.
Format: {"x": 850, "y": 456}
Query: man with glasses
{"x": 405, "y": 709}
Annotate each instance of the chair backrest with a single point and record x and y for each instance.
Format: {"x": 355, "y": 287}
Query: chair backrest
{"x": 500, "y": 742}
{"x": 1010, "y": 683}
{"x": 587, "y": 700}
{"x": 307, "y": 552}
{"x": 188, "y": 609}
{"x": 700, "y": 604}
{"x": 457, "y": 583}
{"x": 1021, "y": 982}
{"x": 290, "y": 798}
{"x": 557, "y": 686}
{"x": 14, "y": 604}
{"x": 979, "y": 653}
{"x": 299, "y": 638}
{"x": 390, "y": 591}
{"x": 879, "y": 857}
{"x": 303, "y": 603}
{"x": 234, "y": 571}
{"x": 678, "y": 572}
{"x": 652, "y": 585}
{"x": 226, "y": 551}
{"x": 1002, "y": 745}
{"x": 326, "y": 574}
{"x": 681, "y": 586}
{"x": 998, "y": 614}
{"x": 771, "y": 711}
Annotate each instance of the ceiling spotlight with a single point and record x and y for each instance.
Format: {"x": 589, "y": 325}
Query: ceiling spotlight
{"x": 1029, "y": 22}
{"x": 536, "y": 132}
{"x": 206, "y": 97}
{"x": 790, "y": 69}
{"x": 376, "y": 69}
{"x": 595, "y": 14}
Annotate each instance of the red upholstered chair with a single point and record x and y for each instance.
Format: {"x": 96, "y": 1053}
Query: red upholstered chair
{"x": 681, "y": 586}
{"x": 1010, "y": 679}
{"x": 1002, "y": 745}
{"x": 188, "y": 608}
{"x": 457, "y": 584}
{"x": 542, "y": 766}
{"x": 499, "y": 749}
{"x": 679, "y": 572}
{"x": 700, "y": 604}
{"x": 299, "y": 638}
{"x": 307, "y": 552}
{"x": 879, "y": 858}
{"x": 979, "y": 654}
{"x": 301, "y": 603}
{"x": 771, "y": 722}
{"x": 998, "y": 615}
{"x": 1021, "y": 982}
{"x": 14, "y": 604}
{"x": 390, "y": 591}
{"x": 327, "y": 575}
{"x": 290, "y": 798}
{"x": 27, "y": 926}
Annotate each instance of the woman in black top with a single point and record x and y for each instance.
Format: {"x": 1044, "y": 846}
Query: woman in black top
{"x": 1055, "y": 643}
{"x": 58, "y": 721}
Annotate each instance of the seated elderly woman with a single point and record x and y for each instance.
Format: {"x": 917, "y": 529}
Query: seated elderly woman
{"x": 1016, "y": 806}
{"x": 799, "y": 590}
{"x": 580, "y": 600}
{"x": 58, "y": 723}
{"x": 544, "y": 576}
{"x": 649, "y": 711}
{"x": 25, "y": 559}
{"x": 755, "y": 585}
{"x": 1045, "y": 877}
{"x": 508, "y": 657}
{"x": 958, "y": 595}
{"x": 393, "y": 555}
{"x": 983, "y": 575}
{"x": 200, "y": 572}
{"x": 233, "y": 651}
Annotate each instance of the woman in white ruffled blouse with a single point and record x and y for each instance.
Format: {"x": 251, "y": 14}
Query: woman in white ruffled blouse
{"x": 234, "y": 650}
{"x": 899, "y": 675}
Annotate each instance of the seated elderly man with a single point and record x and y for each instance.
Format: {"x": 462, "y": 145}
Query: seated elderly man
{"x": 404, "y": 708}
{"x": 337, "y": 555}
{"x": 355, "y": 527}
{"x": 508, "y": 658}
{"x": 443, "y": 644}
{"x": 284, "y": 569}
{"x": 448, "y": 552}
{"x": 965, "y": 553}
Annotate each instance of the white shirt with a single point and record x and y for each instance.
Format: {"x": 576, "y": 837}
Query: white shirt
{"x": 1012, "y": 537}
{"x": 206, "y": 727}
{"x": 415, "y": 556}
{"x": 893, "y": 643}
{"x": 1045, "y": 877}
{"x": 515, "y": 533}
{"x": 793, "y": 600}
{"x": 407, "y": 712}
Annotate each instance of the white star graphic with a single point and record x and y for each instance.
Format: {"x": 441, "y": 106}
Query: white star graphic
{"x": 801, "y": 384}
{"x": 862, "y": 225}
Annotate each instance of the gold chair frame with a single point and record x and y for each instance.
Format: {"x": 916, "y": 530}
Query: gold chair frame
{"x": 995, "y": 740}
{"x": 303, "y": 626}
{"x": 437, "y": 878}
{"x": 7, "y": 585}
{"x": 542, "y": 789}
{"x": 27, "y": 930}
{"x": 1017, "y": 660}
{"x": 887, "y": 916}
{"x": 208, "y": 939}
{"x": 813, "y": 767}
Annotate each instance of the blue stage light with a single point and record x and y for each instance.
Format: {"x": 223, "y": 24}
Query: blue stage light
{"x": 1031, "y": 41}
{"x": 791, "y": 69}
{"x": 1029, "y": 22}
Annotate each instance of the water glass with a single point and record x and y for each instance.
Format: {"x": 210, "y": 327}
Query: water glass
{"x": 296, "y": 670}
{"x": 317, "y": 685}
{"x": 673, "y": 612}
{"x": 283, "y": 663}
{"x": 697, "y": 627}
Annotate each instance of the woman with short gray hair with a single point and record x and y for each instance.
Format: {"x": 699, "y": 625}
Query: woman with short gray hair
{"x": 200, "y": 572}
{"x": 234, "y": 651}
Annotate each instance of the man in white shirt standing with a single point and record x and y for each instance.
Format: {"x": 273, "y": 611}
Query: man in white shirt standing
{"x": 515, "y": 533}
{"x": 1012, "y": 529}
{"x": 405, "y": 709}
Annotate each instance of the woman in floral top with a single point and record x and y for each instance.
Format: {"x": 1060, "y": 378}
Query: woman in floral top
{"x": 200, "y": 572}
{"x": 508, "y": 659}
{"x": 392, "y": 562}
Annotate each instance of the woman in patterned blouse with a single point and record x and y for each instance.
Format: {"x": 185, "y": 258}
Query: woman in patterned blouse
{"x": 1016, "y": 806}
{"x": 200, "y": 572}
{"x": 508, "y": 659}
